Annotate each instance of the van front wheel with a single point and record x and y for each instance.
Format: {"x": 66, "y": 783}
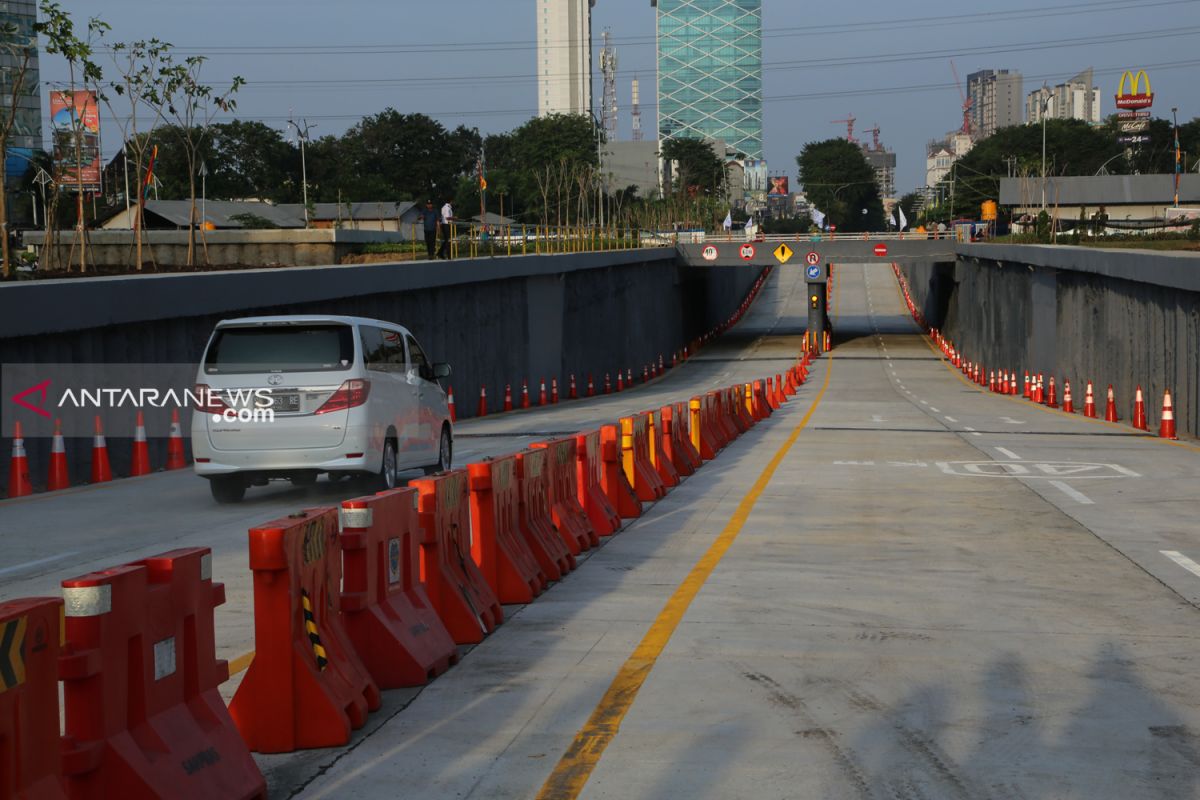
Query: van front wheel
{"x": 227, "y": 488}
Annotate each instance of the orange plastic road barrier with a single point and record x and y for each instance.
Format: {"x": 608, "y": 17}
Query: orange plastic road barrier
{"x": 588, "y": 467}
{"x": 59, "y": 476}
{"x": 713, "y": 418}
{"x": 499, "y": 550}
{"x": 306, "y": 686}
{"x": 143, "y": 714}
{"x": 670, "y": 448}
{"x": 536, "y": 520}
{"x": 733, "y": 409}
{"x": 30, "y": 637}
{"x": 789, "y": 388}
{"x": 741, "y": 409}
{"x": 19, "y": 484}
{"x": 681, "y": 427}
{"x": 570, "y": 518}
{"x": 612, "y": 474}
{"x": 760, "y": 398}
{"x": 101, "y": 471}
{"x": 635, "y": 458}
{"x": 175, "y": 456}
{"x": 702, "y": 440}
{"x": 139, "y": 462}
{"x": 661, "y": 459}
{"x": 388, "y": 617}
{"x": 463, "y": 599}
{"x": 772, "y": 399}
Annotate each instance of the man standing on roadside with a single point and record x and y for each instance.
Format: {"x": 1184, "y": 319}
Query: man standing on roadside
{"x": 447, "y": 217}
{"x": 429, "y": 218}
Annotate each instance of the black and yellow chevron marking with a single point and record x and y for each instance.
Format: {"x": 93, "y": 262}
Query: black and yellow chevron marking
{"x": 12, "y": 653}
{"x": 310, "y": 627}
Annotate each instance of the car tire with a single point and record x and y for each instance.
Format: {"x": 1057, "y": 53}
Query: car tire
{"x": 445, "y": 454}
{"x": 227, "y": 489}
{"x": 386, "y": 478}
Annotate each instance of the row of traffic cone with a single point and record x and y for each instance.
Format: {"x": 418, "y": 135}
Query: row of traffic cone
{"x": 1036, "y": 389}
{"x": 58, "y": 473}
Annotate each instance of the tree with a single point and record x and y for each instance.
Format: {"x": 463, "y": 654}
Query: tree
{"x": 143, "y": 70}
{"x": 193, "y": 105}
{"x": 532, "y": 161}
{"x": 698, "y": 170}
{"x": 251, "y": 160}
{"x": 19, "y": 46}
{"x": 839, "y": 182}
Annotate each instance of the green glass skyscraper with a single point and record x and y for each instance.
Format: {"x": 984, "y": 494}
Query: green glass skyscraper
{"x": 710, "y": 71}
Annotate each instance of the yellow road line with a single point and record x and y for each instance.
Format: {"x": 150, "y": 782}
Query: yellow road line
{"x": 1133, "y": 433}
{"x": 240, "y": 663}
{"x": 577, "y": 763}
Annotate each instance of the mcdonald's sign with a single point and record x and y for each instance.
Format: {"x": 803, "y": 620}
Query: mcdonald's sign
{"x": 1130, "y": 93}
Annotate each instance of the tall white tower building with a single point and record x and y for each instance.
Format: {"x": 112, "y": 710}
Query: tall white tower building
{"x": 564, "y": 57}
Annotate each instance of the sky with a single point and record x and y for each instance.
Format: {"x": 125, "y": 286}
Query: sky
{"x": 472, "y": 62}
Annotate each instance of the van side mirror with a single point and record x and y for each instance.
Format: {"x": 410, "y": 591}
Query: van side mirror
{"x": 441, "y": 370}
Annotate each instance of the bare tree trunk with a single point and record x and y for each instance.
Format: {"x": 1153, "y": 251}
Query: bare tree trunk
{"x": 4, "y": 214}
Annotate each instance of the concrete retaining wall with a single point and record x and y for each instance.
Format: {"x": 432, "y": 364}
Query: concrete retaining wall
{"x": 1109, "y": 316}
{"x": 496, "y": 321}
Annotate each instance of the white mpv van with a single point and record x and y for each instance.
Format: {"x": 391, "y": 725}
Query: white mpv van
{"x": 294, "y": 396}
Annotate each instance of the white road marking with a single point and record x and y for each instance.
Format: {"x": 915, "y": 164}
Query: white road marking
{"x": 972, "y": 430}
{"x": 38, "y": 563}
{"x": 1124, "y": 471}
{"x": 1183, "y": 561}
{"x": 877, "y": 418}
{"x": 1074, "y": 494}
{"x": 934, "y": 410}
{"x": 1004, "y": 451}
{"x": 924, "y": 402}
{"x": 1012, "y": 421}
{"x": 951, "y": 419}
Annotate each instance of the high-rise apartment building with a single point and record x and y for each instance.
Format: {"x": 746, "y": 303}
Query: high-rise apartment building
{"x": 710, "y": 72}
{"x": 564, "y": 56}
{"x": 20, "y": 16}
{"x": 997, "y": 98}
{"x": 1075, "y": 99}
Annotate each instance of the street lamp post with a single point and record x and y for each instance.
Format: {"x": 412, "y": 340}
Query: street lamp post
{"x": 302, "y": 135}
{"x": 1175, "y": 121}
{"x": 1045, "y": 105}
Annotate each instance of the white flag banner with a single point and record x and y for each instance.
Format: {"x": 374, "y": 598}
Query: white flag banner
{"x": 903, "y": 219}
{"x": 728, "y": 224}
{"x": 817, "y": 217}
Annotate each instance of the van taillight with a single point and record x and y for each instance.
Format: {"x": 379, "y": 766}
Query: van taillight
{"x": 208, "y": 401}
{"x": 349, "y": 394}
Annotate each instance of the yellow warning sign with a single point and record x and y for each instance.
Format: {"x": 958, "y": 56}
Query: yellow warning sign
{"x": 783, "y": 253}
{"x": 12, "y": 653}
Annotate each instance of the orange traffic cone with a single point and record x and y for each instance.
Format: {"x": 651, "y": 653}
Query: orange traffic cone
{"x": 1139, "y": 411}
{"x": 508, "y": 405}
{"x": 101, "y": 471}
{"x": 1089, "y": 402}
{"x": 139, "y": 462}
{"x": 1110, "y": 408}
{"x": 59, "y": 477}
{"x": 591, "y": 390}
{"x": 572, "y": 390}
{"x": 1028, "y": 387}
{"x": 524, "y": 393}
{"x": 1166, "y": 428}
{"x": 450, "y": 405}
{"x": 18, "y": 470}
{"x": 554, "y": 391}
{"x": 607, "y": 383}
{"x": 542, "y": 393}
{"x": 629, "y": 377}
{"x": 620, "y": 381}
{"x": 482, "y": 411}
{"x": 1016, "y": 385}
{"x": 645, "y": 374}
{"x": 1068, "y": 405}
{"x": 1052, "y": 395}
{"x": 175, "y": 457}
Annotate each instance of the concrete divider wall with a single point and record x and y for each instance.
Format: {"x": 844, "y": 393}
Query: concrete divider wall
{"x": 494, "y": 320}
{"x": 1119, "y": 317}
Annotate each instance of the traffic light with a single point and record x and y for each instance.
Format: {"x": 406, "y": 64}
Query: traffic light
{"x": 814, "y": 301}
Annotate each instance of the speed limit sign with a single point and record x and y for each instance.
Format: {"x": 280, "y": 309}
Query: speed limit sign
{"x": 813, "y": 258}
{"x": 709, "y": 253}
{"x": 747, "y": 252}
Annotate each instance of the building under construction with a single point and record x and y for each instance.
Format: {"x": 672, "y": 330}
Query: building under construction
{"x": 882, "y": 160}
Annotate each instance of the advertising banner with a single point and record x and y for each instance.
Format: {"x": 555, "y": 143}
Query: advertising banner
{"x": 75, "y": 121}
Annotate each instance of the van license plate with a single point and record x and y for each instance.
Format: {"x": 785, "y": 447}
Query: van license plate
{"x": 285, "y": 402}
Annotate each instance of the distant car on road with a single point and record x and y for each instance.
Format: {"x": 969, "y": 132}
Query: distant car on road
{"x": 291, "y": 397}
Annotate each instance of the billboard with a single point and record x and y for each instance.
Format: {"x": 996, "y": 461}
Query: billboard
{"x": 1139, "y": 94}
{"x": 75, "y": 119}
{"x": 779, "y": 185}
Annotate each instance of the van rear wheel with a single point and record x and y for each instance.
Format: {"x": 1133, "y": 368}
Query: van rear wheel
{"x": 386, "y": 477}
{"x": 445, "y": 454}
{"x": 227, "y": 488}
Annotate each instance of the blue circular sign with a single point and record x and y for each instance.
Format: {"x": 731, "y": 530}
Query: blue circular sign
{"x": 814, "y": 272}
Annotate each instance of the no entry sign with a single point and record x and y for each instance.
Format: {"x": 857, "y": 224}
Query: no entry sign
{"x": 881, "y": 249}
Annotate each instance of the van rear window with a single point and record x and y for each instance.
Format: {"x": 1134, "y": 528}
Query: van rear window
{"x": 281, "y": 348}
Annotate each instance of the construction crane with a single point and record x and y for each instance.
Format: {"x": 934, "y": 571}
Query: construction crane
{"x": 966, "y": 100}
{"x": 849, "y": 123}
{"x": 874, "y": 136}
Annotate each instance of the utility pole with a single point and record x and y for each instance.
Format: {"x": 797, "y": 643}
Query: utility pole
{"x": 302, "y": 135}
{"x": 1045, "y": 105}
{"x": 1175, "y": 120}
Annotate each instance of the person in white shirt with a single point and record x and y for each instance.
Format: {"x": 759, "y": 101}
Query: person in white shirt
{"x": 447, "y": 218}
